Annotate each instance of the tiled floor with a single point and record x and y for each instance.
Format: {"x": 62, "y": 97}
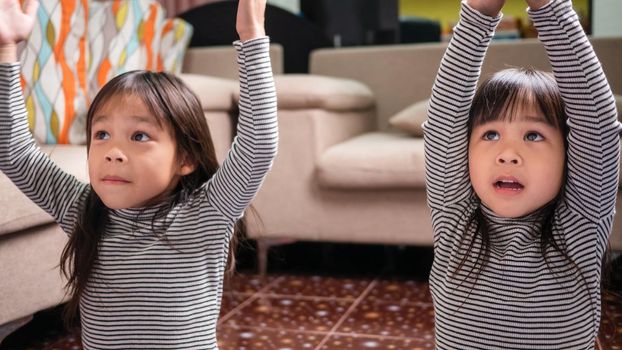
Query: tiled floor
{"x": 387, "y": 309}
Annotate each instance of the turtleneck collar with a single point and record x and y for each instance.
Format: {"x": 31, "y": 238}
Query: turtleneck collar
{"x": 149, "y": 213}
{"x": 505, "y": 232}
{"x": 493, "y": 218}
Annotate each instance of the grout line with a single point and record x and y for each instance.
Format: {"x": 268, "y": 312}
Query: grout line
{"x": 304, "y": 297}
{"x": 347, "y": 313}
{"x": 375, "y": 336}
{"x": 246, "y": 302}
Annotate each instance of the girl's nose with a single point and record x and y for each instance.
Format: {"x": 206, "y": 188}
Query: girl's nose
{"x": 115, "y": 155}
{"x": 509, "y": 157}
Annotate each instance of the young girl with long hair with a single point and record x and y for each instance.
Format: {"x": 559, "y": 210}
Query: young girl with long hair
{"x": 522, "y": 177}
{"x": 150, "y": 234}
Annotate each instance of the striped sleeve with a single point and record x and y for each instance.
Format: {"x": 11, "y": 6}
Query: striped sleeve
{"x": 235, "y": 184}
{"x": 593, "y": 154}
{"x": 48, "y": 186}
{"x": 446, "y": 143}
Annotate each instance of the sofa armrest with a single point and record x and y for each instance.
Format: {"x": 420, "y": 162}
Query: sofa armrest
{"x": 314, "y": 113}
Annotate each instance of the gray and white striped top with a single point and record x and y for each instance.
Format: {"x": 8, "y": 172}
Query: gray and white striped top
{"x": 145, "y": 292}
{"x": 517, "y": 301}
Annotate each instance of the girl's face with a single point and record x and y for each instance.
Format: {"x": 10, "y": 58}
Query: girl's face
{"x": 132, "y": 158}
{"x": 516, "y": 166}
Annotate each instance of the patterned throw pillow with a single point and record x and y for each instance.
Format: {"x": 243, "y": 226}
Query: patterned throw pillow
{"x": 128, "y": 35}
{"x": 175, "y": 37}
{"x": 79, "y": 45}
{"x": 54, "y": 71}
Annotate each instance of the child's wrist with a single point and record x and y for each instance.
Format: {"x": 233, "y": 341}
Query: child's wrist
{"x": 252, "y": 34}
{"x": 8, "y": 53}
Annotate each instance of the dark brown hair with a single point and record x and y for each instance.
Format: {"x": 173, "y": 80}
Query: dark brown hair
{"x": 178, "y": 109}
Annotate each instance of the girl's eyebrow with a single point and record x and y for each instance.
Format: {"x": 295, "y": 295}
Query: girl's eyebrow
{"x": 99, "y": 118}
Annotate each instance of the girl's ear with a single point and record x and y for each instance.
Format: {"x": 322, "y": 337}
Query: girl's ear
{"x": 187, "y": 166}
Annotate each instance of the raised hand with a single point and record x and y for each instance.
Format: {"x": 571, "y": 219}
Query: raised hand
{"x": 15, "y": 26}
{"x": 250, "y": 19}
{"x": 487, "y": 7}
{"x": 15, "y": 23}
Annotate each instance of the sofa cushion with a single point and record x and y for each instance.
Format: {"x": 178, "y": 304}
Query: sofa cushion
{"x": 215, "y": 94}
{"x": 373, "y": 160}
{"x": 410, "y": 118}
{"x": 303, "y": 91}
{"x": 18, "y": 212}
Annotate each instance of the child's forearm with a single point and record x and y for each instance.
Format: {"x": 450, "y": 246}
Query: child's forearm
{"x": 593, "y": 147}
{"x": 448, "y": 114}
{"x": 8, "y": 53}
{"x": 235, "y": 184}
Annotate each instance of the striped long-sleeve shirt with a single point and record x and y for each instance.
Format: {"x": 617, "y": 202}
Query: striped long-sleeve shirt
{"x": 518, "y": 301}
{"x": 146, "y": 292}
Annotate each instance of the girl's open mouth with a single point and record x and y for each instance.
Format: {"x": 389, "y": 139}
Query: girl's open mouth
{"x": 508, "y": 185}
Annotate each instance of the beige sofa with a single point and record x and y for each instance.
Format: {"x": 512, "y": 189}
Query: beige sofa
{"x": 343, "y": 177}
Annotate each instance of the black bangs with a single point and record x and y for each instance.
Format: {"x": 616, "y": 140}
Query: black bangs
{"x": 140, "y": 83}
{"x": 509, "y": 92}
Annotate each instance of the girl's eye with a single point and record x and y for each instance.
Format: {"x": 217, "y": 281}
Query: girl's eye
{"x": 533, "y": 136}
{"x": 101, "y": 135}
{"x": 140, "y": 137}
{"x": 491, "y": 136}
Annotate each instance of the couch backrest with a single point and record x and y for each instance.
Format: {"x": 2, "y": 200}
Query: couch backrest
{"x": 221, "y": 61}
{"x": 400, "y": 75}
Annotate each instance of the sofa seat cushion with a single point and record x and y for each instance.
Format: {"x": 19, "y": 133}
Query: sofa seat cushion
{"x": 375, "y": 160}
{"x": 18, "y": 212}
{"x": 304, "y": 91}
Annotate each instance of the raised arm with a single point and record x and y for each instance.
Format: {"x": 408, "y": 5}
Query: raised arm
{"x": 254, "y": 148}
{"x": 446, "y": 142}
{"x": 55, "y": 191}
{"x": 593, "y": 154}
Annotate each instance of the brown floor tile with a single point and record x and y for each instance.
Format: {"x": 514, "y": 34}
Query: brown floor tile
{"x": 299, "y": 314}
{"x": 612, "y": 323}
{"x": 410, "y": 320}
{"x": 246, "y": 283}
{"x": 234, "y": 338}
{"x": 319, "y": 286}
{"x": 400, "y": 291}
{"x": 230, "y": 301}
{"x": 342, "y": 342}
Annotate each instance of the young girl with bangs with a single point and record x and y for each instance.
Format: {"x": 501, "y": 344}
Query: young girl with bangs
{"x": 522, "y": 177}
{"x": 150, "y": 234}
